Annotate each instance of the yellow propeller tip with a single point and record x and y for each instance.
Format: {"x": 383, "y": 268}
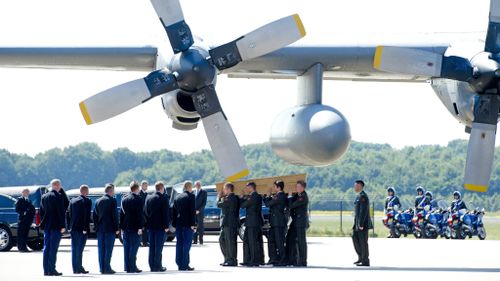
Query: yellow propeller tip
{"x": 85, "y": 113}
{"x": 476, "y": 188}
{"x": 377, "y": 57}
{"x": 300, "y": 25}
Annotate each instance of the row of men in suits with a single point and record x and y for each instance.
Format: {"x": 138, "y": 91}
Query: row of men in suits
{"x": 287, "y": 246}
{"x": 153, "y": 214}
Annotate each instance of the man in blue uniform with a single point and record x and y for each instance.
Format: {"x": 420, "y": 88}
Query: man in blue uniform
{"x": 253, "y": 248}
{"x": 229, "y": 204}
{"x": 106, "y": 226}
{"x": 201, "y": 201}
{"x": 26, "y": 213}
{"x": 144, "y": 194}
{"x": 157, "y": 213}
{"x": 184, "y": 221}
{"x": 79, "y": 226}
{"x": 362, "y": 223}
{"x": 132, "y": 222}
{"x": 278, "y": 220}
{"x": 52, "y": 212}
{"x": 296, "y": 244}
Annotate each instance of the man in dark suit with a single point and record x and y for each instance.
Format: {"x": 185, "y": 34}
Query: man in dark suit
{"x": 362, "y": 223}
{"x": 253, "y": 249}
{"x": 79, "y": 226}
{"x": 132, "y": 222}
{"x": 201, "y": 201}
{"x": 157, "y": 213}
{"x": 184, "y": 221}
{"x": 296, "y": 244}
{"x": 26, "y": 213}
{"x": 278, "y": 220}
{"x": 106, "y": 226}
{"x": 52, "y": 212}
{"x": 144, "y": 194}
{"x": 229, "y": 204}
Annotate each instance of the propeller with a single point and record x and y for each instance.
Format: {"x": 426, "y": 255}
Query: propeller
{"x": 192, "y": 70}
{"x": 482, "y": 73}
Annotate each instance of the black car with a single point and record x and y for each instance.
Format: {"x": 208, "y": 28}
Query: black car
{"x": 8, "y": 226}
{"x": 120, "y": 193}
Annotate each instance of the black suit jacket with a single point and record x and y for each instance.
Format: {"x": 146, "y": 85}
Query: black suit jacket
{"x": 131, "y": 215}
{"x": 184, "y": 210}
{"x": 277, "y": 205}
{"x": 253, "y": 208}
{"x": 79, "y": 214}
{"x": 52, "y": 211}
{"x": 25, "y": 211}
{"x": 230, "y": 210}
{"x": 298, "y": 209}
{"x": 106, "y": 214}
{"x": 201, "y": 201}
{"x": 157, "y": 211}
{"x": 362, "y": 212}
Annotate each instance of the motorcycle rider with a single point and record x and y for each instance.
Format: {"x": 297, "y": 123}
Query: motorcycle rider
{"x": 421, "y": 200}
{"x": 457, "y": 204}
{"x": 433, "y": 203}
{"x": 392, "y": 200}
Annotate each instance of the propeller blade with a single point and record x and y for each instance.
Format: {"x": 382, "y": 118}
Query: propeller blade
{"x": 259, "y": 42}
{"x": 121, "y": 98}
{"x": 492, "y": 43}
{"x": 225, "y": 147}
{"x": 172, "y": 18}
{"x": 421, "y": 63}
{"x": 481, "y": 148}
{"x": 480, "y": 155}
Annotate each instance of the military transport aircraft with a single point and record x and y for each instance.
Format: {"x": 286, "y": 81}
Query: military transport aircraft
{"x": 465, "y": 78}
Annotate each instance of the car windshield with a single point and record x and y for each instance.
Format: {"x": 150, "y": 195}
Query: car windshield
{"x": 211, "y": 200}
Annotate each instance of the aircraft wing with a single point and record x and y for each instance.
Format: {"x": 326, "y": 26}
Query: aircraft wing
{"x": 93, "y": 58}
{"x": 341, "y": 62}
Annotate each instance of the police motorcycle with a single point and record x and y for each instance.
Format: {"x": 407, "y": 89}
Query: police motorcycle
{"x": 419, "y": 221}
{"x": 455, "y": 224}
{"x": 437, "y": 224}
{"x": 403, "y": 223}
{"x": 390, "y": 221}
{"x": 472, "y": 224}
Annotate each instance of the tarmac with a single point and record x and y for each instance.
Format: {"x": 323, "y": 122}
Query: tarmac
{"x": 328, "y": 258}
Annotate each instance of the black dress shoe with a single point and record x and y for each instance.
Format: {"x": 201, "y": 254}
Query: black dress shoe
{"x": 24, "y": 251}
{"x": 190, "y": 268}
{"x": 356, "y": 262}
{"x": 363, "y": 264}
{"x": 83, "y": 271}
{"x": 55, "y": 273}
{"x": 108, "y": 272}
{"x": 195, "y": 242}
{"x": 244, "y": 263}
{"x": 229, "y": 264}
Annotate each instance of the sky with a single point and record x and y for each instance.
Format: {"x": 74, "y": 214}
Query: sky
{"x": 39, "y": 108}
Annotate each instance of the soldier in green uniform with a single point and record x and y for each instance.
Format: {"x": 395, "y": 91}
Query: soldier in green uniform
{"x": 277, "y": 206}
{"x": 296, "y": 244}
{"x": 253, "y": 249}
{"x": 230, "y": 222}
{"x": 362, "y": 223}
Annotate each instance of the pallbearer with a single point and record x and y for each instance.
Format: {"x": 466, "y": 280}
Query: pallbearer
{"x": 230, "y": 222}
{"x": 79, "y": 226}
{"x": 296, "y": 243}
{"x": 253, "y": 251}
{"x": 106, "y": 226}
{"x": 277, "y": 218}
{"x": 157, "y": 213}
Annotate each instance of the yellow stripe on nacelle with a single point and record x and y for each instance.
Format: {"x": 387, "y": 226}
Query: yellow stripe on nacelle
{"x": 378, "y": 57}
{"x": 238, "y": 175}
{"x": 477, "y": 188}
{"x": 85, "y": 113}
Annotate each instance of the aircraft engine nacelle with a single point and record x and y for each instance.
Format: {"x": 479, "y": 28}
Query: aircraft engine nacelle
{"x": 312, "y": 135}
{"x": 180, "y": 108}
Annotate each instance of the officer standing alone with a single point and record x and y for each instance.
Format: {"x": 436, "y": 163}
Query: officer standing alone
{"x": 26, "y": 213}
{"x": 230, "y": 222}
{"x": 79, "y": 226}
{"x": 184, "y": 221}
{"x": 106, "y": 226}
{"x": 296, "y": 244}
{"x": 157, "y": 212}
{"x": 253, "y": 248}
{"x": 362, "y": 223}
{"x": 144, "y": 194}
{"x": 132, "y": 222}
{"x": 201, "y": 201}
{"x": 277, "y": 218}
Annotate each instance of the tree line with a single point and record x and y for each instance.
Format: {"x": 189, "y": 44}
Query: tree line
{"x": 437, "y": 168}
